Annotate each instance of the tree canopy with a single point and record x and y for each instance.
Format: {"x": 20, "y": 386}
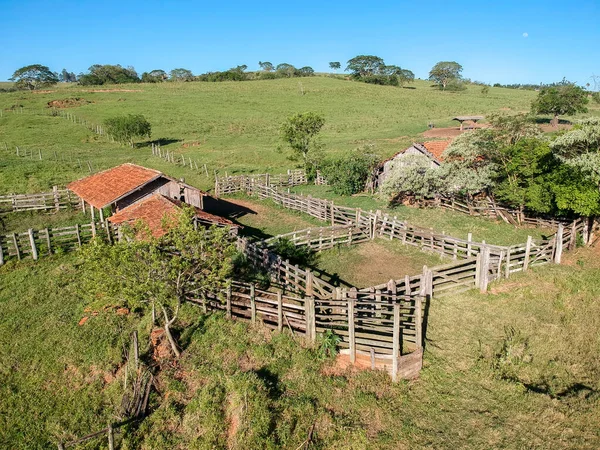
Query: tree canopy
{"x": 35, "y": 76}
{"x": 335, "y": 65}
{"x": 266, "y": 66}
{"x": 155, "y": 76}
{"x": 348, "y": 174}
{"x": 444, "y": 72}
{"x": 100, "y": 74}
{"x": 300, "y": 131}
{"x": 563, "y": 99}
{"x": 158, "y": 274}
{"x": 372, "y": 69}
{"x": 181, "y": 75}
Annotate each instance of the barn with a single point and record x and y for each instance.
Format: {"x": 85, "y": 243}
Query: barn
{"x": 431, "y": 149}
{"x": 130, "y": 192}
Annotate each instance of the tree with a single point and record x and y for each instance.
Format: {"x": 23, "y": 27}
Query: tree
{"x": 348, "y": 175}
{"x": 181, "y": 75}
{"x": 300, "y": 131}
{"x": 415, "y": 176}
{"x": 34, "y": 77}
{"x": 266, "y": 66}
{"x": 67, "y": 77}
{"x": 306, "y": 71}
{"x": 405, "y": 76}
{"x": 564, "y": 98}
{"x": 365, "y": 65}
{"x": 155, "y": 76}
{"x": 335, "y": 65}
{"x": 286, "y": 69}
{"x": 125, "y": 129}
{"x": 99, "y": 74}
{"x": 468, "y": 166}
{"x": 158, "y": 274}
{"x": 445, "y": 72}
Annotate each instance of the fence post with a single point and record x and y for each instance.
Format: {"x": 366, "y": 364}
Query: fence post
{"x": 136, "y": 349}
{"x": 484, "y": 269}
{"x": 559, "y": 243}
{"x": 252, "y": 303}
{"x": 34, "y": 251}
{"x": 478, "y": 269}
{"x": 279, "y": 311}
{"x": 396, "y": 342}
{"x": 56, "y": 197}
{"x": 311, "y": 328}
{"x": 586, "y": 229}
{"x": 107, "y": 228}
{"x": 573, "y": 235}
{"x": 1, "y": 254}
{"x": 527, "y": 253}
{"x": 332, "y": 214}
{"x": 228, "y": 300}
{"x": 93, "y": 228}
{"x": 351, "y": 336}
{"x": 111, "y": 438}
{"x": 507, "y": 268}
{"x": 418, "y": 322}
{"x": 16, "y": 242}
{"x": 77, "y": 234}
{"x": 309, "y": 283}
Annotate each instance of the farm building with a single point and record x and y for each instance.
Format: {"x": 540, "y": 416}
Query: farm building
{"x": 154, "y": 208}
{"x": 134, "y": 192}
{"x": 431, "y": 149}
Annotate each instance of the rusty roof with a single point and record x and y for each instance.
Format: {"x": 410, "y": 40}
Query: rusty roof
{"x": 437, "y": 148}
{"x": 108, "y": 186}
{"x": 154, "y": 208}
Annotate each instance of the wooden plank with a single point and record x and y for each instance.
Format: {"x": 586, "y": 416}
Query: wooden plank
{"x": 252, "y": 304}
{"x": 527, "y": 253}
{"x": 396, "y": 342}
{"x": 351, "y": 333}
{"x": 34, "y": 251}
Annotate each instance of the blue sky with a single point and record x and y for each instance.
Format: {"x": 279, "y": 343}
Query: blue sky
{"x": 562, "y": 38}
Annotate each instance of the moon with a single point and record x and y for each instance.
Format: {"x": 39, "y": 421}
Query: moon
{"x": 525, "y": 35}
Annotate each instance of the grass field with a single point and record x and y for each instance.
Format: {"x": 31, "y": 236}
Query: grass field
{"x": 514, "y": 368}
{"x": 236, "y": 125}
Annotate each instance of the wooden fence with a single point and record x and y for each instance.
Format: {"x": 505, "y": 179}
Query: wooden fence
{"x": 386, "y": 328}
{"x": 490, "y": 209}
{"x": 242, "y": 183}
{"x": 55, "y": 200}
{"x": 36, "y": 243}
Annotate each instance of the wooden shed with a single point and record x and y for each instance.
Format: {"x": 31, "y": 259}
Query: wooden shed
{"x": 128, "y": 183}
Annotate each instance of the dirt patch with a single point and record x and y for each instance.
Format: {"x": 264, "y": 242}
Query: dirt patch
{"x": 372, "y": 263}
{"x": 160, "y": 345}
{"x": 191, "y": 144}
{"x": 449, "y": 132}
{"x": 68, "y": 103}
{"x": 234, "y": 413}
{"x": 43, "y": 91}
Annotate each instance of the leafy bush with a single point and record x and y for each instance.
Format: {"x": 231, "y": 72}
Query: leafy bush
{"x": 126, "y": 128}
{"x": 302, "y": 256}
{"x": 348, "y": 175}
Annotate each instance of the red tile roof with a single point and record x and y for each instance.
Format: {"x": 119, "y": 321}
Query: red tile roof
{"x": 436, "y": 148}
{"x": 104, "y": 188}
{"x": 154, "y": 208}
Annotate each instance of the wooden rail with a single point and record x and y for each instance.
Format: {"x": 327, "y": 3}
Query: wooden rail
{"x": 36, "y": 243}
{"x": 241, "y": 183}
{"x": 55, "y": 200}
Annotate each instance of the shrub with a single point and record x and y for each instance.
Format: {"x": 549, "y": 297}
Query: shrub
{"x": 349, "y": 174}
{"x": 126, "y": 128}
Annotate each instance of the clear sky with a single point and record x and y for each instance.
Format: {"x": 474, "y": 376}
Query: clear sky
{"x": 500, "y": 41}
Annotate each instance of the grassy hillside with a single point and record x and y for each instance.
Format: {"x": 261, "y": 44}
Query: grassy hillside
{"x": 233, "y": 126}
{"x": 516, "y": 368}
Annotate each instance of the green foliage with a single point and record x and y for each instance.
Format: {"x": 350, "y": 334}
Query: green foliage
{"x": 414, "y": 176}
{"x": 485, "y": 90}
{"x": 302, "y": 256}
{"x": 335, "y": 65}
{"x": 147, "y": 273}
{"x": 125, "y": 129}
{"x": 373, "y": 70}
{"x": 300, "y": 131}
{"x": 573, "y": 192}
{"x": 444, "y": 73}
{"x": 328, "y": 344}
{"x": 565, "y": 98}
{"x": 235, "y": 74}
{"x": 348, "y": 174}
{"x": 35, "y": 76}
{"x": 99, "y": 74}
{"x": 596, "y": 97}
{"x": 155, "y": 76}
{"x": 181, "y": 75}
{"x": 266, "y": 66}
{"x": 521, "y": 169}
